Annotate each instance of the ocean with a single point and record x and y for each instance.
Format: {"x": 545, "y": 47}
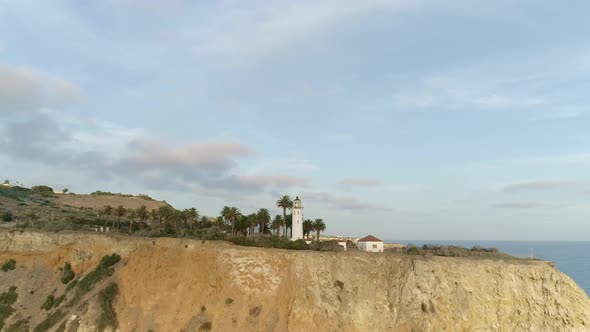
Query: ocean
{"x": 571, "y": 258}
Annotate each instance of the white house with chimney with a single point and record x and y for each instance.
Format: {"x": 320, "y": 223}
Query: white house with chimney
{"x": 370, "y": 243}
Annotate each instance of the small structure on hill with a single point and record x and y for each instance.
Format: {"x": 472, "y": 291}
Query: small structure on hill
{"x": 370, "y": 243}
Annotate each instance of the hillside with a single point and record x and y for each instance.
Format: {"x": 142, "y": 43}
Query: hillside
{"x": 178, "y": 284}
{"x": 31, "y": 208}
{"x": 100, "y": 201}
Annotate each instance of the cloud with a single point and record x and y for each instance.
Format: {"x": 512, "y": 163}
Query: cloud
{"x": 451, "y": 92}
{"x": 342, "y": 202}
{"x": 256, "y": 30}
{"x": 537, "y": 185}
{"x": 214, "y": 156}
{"x": 23, "y": 89}
{"x": 520, "y": 205}
{"x": 360, "y": 182}
{"x": 278, "y": 181}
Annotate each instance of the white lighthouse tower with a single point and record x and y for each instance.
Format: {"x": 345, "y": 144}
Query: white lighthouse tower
{"x": 297, "y": 214}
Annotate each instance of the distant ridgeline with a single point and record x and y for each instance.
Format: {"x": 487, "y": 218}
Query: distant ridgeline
{"x": 108, "y": 193}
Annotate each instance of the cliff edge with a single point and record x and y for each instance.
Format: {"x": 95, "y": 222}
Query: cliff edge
{"x": 187, "y": 285}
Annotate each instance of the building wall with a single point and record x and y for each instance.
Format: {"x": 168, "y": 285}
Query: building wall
{"x": 370, "y": 246}
{"x": 297, "y": 224}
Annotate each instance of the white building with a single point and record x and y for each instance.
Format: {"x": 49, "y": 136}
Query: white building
{"x": 297, "y": 221}
{"x": 370, "y": 243}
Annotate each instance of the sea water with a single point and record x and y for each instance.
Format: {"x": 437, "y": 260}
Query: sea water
{"x": 571, "y": 258}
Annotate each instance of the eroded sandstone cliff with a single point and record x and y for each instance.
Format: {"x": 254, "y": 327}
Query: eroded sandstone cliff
{"x": 185, "y": 285}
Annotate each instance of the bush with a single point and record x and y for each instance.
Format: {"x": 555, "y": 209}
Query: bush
{"x": 42, "y": 190}
{"x": 108, "y": 261}
{"x": 72, "y": 285}
{"x": 9, "y": 265}
{"x": 67, "y": 274}
{"x": 108, "y": 316}
{"x": 51, "y": 320}
{"x": 6, "y": 216}
{"x": 7, "y": 299}
{"x": 412, "y": 249}
{"x": 48, "y": 304}
{"x": 86, "y": 284}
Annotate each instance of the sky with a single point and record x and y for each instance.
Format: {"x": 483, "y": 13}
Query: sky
{"x": 422, "y": 119}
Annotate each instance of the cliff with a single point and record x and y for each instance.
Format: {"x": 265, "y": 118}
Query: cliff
{"x": 186, "y": 285}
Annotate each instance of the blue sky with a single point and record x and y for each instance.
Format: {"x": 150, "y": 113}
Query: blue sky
{"x": 403, "y": 119}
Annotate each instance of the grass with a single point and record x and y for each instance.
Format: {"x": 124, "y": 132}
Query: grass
{"x": 19, "y": 326}
{"x": 108, "y": 316}
{"x": 50, "y": 321}
{"x": 7, "y": 299}
{"x": 72, "y": 285}
{"x": 86, "y": 284}
{"x": 48, "y": 304}
{"x": 269, "y": 242}
{"x": 9, "y": 265}
{"x": 67, "y": 274}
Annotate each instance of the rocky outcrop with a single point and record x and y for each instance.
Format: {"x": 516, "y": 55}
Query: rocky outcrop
{"x": 175, "y": 284}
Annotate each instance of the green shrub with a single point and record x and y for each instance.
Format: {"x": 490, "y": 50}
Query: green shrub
{"x": 9, "y": 265}
{"x": 412, "y": 249}
{"x": 48, "y": 304}
{"x": 67, "y": 274}
{"x": 6, "y": 216}
{"x": 108, "y": 261}
{"x": 86, "y": 284}
{"x": 50, "y": 321}
{"x": 7, "y": 299}
{"x": 72, "y": 285}
{"x": 108, "y": 316}
{"x": 19, "y": 326}
{"x": 58, "y": 300}
{"x": 229, "y": 301}
{"x": 42, "y": 190}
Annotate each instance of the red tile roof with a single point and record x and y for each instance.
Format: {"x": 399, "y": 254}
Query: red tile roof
{"x": 370, "y": 238}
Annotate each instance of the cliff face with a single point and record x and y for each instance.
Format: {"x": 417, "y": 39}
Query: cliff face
{"x": 174, "y": 284}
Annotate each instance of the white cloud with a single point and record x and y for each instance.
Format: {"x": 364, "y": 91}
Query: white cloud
{"x": 455, "y": 93}
{"x": 360, "y": 182}
{"x": 24, "y": 89}
{"x": 255, "y": 30}
{"x": 342, "y": 202}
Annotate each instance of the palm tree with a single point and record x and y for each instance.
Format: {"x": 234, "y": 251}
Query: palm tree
{"x": 107, "y": 211}
{"x": 319, "y": 226}
{"x": 225, "y": 212}
{"x": 142, "y": 214}
{"x": 252, "y": 223}
{"x": 307, "y": 227}
{"x": 165, "y": 213}
{"x": 120, "y": 211}
{"x": 277, "y": 223}
{"x": 289, "y": 224}
{"x": 263, "y": 217}
{"x": 233, "y": 215}
{"x": 285, "y": 202}
{"x": 192, "y": 215}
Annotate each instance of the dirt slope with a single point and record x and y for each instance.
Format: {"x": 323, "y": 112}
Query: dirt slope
{"x": 174, "y": 285}
{"x": 100, "y": 201}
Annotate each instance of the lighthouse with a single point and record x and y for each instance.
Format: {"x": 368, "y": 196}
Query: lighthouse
{"x": 297, "y": 224}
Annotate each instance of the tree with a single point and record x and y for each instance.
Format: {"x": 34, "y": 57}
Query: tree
{"x": 285, "y": 203}
{"x": 289, "y": 223}
{"x": 165, "y": 213}
{"x": 142, "y": 214}
{"x": 225, "y": 212}
{"x": 263, "y": 220}
{"x": 234, "y": 215}
{"x": 277, "y": 223}
{"x": 6, "y": 182}
{"x": 120, "y": 211}
{"x": 65, "y": 190}
{"x": 192, "y": 215}
{"x": 252, "y": 223}
{"x": 319, "y": 226}
{"x": 107, "y": 211}
{"x": 307, "y": 227}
